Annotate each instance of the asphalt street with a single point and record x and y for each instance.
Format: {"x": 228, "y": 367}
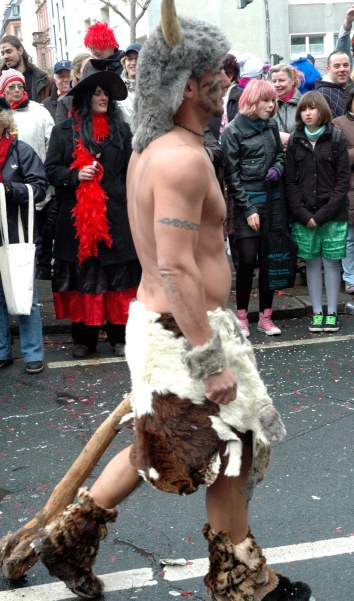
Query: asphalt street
{"x": 302, "y": 513}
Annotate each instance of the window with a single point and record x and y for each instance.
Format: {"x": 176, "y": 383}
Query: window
{"x": 43, "y": 62}
{"x": 64, "y": 28}
{"x": 316, "y": 44}
{"x": 15, "y": 10}
{"x": 298, "y": 44}
{"x": 18, "y": 32}
{"x": 311, "y": 44}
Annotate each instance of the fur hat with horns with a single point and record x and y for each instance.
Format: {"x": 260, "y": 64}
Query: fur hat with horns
{"x": 177, "y": 49}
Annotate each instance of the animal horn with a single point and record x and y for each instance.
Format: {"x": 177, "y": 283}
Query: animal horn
{"x": 171, "y": 28}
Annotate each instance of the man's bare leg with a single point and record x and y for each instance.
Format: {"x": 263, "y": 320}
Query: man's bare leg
{"x": 116, "y": 482}
{"x": 226, "y": 500}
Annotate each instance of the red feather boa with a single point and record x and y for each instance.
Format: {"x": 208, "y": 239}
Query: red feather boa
{"x": 90, "y": 212}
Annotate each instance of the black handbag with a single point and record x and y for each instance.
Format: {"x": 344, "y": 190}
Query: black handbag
{"x": 278, "y": 250}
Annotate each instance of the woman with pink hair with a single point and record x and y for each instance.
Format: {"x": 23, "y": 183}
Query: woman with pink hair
{"x": 254, "y": 160}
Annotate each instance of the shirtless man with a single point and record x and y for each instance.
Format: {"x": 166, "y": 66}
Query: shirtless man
{"x": 202, "y": 413}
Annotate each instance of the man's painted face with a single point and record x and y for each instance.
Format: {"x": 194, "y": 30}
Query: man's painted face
{"x": 212, "y": 88}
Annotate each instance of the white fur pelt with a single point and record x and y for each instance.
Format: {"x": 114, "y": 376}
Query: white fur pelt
{"x": 155, "y": 358}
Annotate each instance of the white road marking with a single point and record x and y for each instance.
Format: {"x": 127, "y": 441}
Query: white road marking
{"x": 57, "y": 591}
{"x": 278, "y": 344}
{"x": 85, "y": 362}
{"x": 276, "y": 555}
{"x": 144, "y": 577}
{"x": 318, "y": 340}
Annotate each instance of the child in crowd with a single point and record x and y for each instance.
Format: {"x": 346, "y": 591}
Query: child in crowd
{"x": 317, "y": 182}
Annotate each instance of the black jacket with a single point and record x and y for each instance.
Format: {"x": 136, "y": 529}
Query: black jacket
{"x": 22, "y": 166}
{"x": 51, "y": 102}
{"x": 114, "y": 158}
{"x": 317, "y": 181}
{"x": 249, "y": 154}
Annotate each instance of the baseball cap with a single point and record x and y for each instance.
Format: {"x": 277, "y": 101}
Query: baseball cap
{"x": 61, "y": 65}
{"x": 136, "y": 47}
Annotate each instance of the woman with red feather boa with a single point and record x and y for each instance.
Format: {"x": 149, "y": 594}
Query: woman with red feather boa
{"x": 96, "y": 271}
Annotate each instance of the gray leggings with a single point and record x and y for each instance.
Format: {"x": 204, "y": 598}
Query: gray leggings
{"x": 332, "y": 282}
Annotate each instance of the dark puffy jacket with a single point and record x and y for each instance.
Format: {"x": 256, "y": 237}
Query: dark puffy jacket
{"x": 317, "y": 181}
{"x": 249, "y": 154}
{"x": 22, "y": 166}
{"x": 114, "y": 159}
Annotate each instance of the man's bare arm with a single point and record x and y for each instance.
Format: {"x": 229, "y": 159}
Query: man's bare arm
{"x": 179, "y": 197}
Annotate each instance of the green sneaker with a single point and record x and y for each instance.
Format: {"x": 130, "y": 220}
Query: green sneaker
{"x": 331, "y": 323}
{"x": 316, "y": 324}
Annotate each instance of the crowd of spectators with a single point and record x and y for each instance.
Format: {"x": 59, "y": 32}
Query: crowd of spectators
{"x": 274, "y": 143}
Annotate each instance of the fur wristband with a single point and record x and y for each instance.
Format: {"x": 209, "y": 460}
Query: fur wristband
{"x": 206, "y": 359}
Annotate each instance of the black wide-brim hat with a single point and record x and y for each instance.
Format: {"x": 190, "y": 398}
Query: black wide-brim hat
{"x": 105, "y": 79}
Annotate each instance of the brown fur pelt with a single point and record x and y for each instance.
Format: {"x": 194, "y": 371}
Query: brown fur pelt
{"x": 17, "y": 554}
{"x": 237, "y": 572}
{"x": 169, "y": 450}
{"x": 68, "y": 546}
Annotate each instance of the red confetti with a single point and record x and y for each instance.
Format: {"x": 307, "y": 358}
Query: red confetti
{"x": 188, "y": 539}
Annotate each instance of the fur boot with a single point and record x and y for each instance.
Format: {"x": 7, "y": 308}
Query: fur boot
{"x": 68, "y": 546}
{"x": 240, "y": 572}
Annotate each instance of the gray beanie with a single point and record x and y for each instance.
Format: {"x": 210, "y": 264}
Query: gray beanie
{"x": 163, "y": 72}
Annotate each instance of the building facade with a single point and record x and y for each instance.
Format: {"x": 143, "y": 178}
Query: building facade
{"x": 52, "y": 30}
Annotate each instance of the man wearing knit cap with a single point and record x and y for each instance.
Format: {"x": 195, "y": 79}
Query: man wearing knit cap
{"x": 101, "y": 42}
{"x": 37, "y": 82}
{"x": 202, "y": 413}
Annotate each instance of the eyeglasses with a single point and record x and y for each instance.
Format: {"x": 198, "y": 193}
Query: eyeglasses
{"x": 13, "y": 86}
{"x": 62, "y": 76}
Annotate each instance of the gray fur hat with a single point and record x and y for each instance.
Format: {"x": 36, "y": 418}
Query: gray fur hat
{"x": 163, "y": 71}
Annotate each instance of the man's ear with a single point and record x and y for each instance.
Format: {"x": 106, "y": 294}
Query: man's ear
{"x": 188, "y": 90}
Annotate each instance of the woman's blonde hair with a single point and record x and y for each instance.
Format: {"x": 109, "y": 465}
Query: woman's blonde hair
{"x": 7, "y": 120}
{"x": 294, "y": 74}
{"x": 77, "y": 62}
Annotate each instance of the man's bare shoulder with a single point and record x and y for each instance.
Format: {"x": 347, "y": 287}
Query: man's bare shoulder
{"x": 177, "y": 161}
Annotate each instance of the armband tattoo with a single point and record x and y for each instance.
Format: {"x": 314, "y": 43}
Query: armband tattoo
{"x": 185, "y": 225}
{"x": 206, "y": 359}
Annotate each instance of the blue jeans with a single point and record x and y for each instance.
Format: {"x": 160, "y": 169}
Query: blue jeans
{"x": 348, "y": 262}
{"x": 30, "y": 326}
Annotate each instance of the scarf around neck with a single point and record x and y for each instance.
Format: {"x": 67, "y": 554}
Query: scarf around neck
{"x": 90, "y": 211}
{"x": 5, "y": 143}
{"x": 21, "y": 104}
{"x": 288, "y": 96}
{"x": 314, "y": 135}
{"x": 257, "y": 124}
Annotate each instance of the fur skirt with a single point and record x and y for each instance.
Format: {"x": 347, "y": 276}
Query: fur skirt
{"x": 180, "y": 436}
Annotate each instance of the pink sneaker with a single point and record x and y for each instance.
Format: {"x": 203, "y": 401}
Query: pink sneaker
{"x": 242, "y": 316}
{"x": 266, "y": 325}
